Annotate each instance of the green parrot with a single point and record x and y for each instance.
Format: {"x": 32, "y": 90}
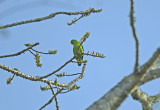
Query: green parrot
{"x": 76, "y": 46}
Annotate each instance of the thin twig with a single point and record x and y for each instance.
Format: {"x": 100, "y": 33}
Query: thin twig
{"x": 56, "y": 100}
{"x": 132, "y": 21}
{"x": 48, "y": 17}
{"x": 40, "y": 52}
{"x": 61, "y": 75}
{"x": 65, "y": 92}
{"x": 32, "y": 53}
{"x": 81, "y": 75}
{"x": 58, "y": 68}
{"x": 75, "y": 20}
{"x": 10, "y": 79}
{"x": 50, "y": 101}
{"x": 94, "y": 55}
{"x": 19, "y": 53}
{"x": 73, "y": 74}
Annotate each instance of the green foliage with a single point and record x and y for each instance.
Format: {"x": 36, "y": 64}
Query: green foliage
{"x": 28, "y": 44}
{"x": 52, "y": 52}
{"x": 38, "y": 60}
{"x": 9, "y": 80}
{"x": 44, "y": 88}
{"x": 85, "y": 14}
{"x": 56, "y": 82}
{"x": 74, "y": 87}
{"x": 61, "y": 74}
{"x": 95, "y": 54}
{"x": 73, "y": 21}
{"x": 83, "y": 39}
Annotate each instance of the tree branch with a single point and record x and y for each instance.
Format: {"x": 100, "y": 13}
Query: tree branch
{"x": 132, "y": 21}
{"x": 115, "y": 97}
{"x": 29, "y": 77}
{"x": 50, "y": 101}
{"x": 56, "y": 100}
{"x": 151, "y": 75}
{"x": 147, "y": 101}
{"x": 52, "y": 15}
{"x": 19, "y": 53}
{"x": 80, "y": 77}
{"x": 58, "y": 68}
{"x": 38, "y": 78}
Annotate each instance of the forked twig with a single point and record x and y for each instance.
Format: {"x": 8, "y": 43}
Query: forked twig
{"x": 19, "y": 53}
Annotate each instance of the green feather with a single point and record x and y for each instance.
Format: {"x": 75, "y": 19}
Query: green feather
{"x": 76, "y": 46}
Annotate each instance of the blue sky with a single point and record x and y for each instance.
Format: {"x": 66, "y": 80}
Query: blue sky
{"x": 111, "y": 35}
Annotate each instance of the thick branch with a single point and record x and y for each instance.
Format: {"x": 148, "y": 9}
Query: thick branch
{"x": 151, "y": 75}
{"x": 115, "y": 97}
{"x": 147, "y": 101}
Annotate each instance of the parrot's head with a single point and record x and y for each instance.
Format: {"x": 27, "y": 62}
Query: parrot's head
{"x": 74, "y": 41}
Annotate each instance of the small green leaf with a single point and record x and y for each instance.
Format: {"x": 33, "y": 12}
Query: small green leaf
{"x": 9, "y": 80}
{"x": 56, "y": 82}
{"x": 28, "y": 44}
{"x": 44, "y": 88}
{"x": 52, "y": 51}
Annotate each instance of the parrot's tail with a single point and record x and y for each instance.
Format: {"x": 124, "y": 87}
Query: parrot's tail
{"x": 79, "y": 64}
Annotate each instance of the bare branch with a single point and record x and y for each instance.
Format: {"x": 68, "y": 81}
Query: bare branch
{"x": 80, "y": 77}
{"x": 73, "y": 74}
{"x": 75, "y": 20}
{"x": 132, "y": 21}
{"x": 50, "y": 101}
{"x": 19, "y": 53}
{"x": 56, "y": 100}
{"x": 9, "y": 81}
{"x": 29, "y": 77}
{"x": 115, "y": 97}
{"x": 32, "y": 53}
{"x": 44, "y": 52}
{"x": 62, "y": 75}
{"x": 151, "y": 62}
{"x": 52, "y": 15}
{"x": 58, "y": 68}
{"x": 151, "y": 75}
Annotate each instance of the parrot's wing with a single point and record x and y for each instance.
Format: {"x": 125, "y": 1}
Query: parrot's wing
{"x": 82, "y": 50}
